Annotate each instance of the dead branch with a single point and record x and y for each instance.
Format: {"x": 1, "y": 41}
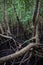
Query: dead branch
{"x": 18, "y": 53}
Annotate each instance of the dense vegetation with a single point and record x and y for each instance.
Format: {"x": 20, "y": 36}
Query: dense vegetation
{"x": 24, "y": 9}
{"x": 21, "y": 32}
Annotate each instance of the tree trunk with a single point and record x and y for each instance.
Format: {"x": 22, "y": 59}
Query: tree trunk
{"x": 35, "y": 18}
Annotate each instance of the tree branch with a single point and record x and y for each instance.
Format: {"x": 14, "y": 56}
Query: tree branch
{"x": 5, "y": 36}
{"x": 18, "y": 53}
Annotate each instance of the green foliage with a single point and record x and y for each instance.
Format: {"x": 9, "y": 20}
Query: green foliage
{"x": 24, "y": 10}
{"x": 1, "y": 15}
{"x": 41, "y": 8}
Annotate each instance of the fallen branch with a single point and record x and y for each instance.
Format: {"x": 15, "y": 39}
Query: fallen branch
{"x": 18, "y": 53}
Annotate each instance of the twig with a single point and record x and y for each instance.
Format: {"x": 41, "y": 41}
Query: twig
{"x": 18, "y": 53}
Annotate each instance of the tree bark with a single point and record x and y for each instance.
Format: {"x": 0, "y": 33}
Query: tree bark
{"x": 35, "y": 19}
